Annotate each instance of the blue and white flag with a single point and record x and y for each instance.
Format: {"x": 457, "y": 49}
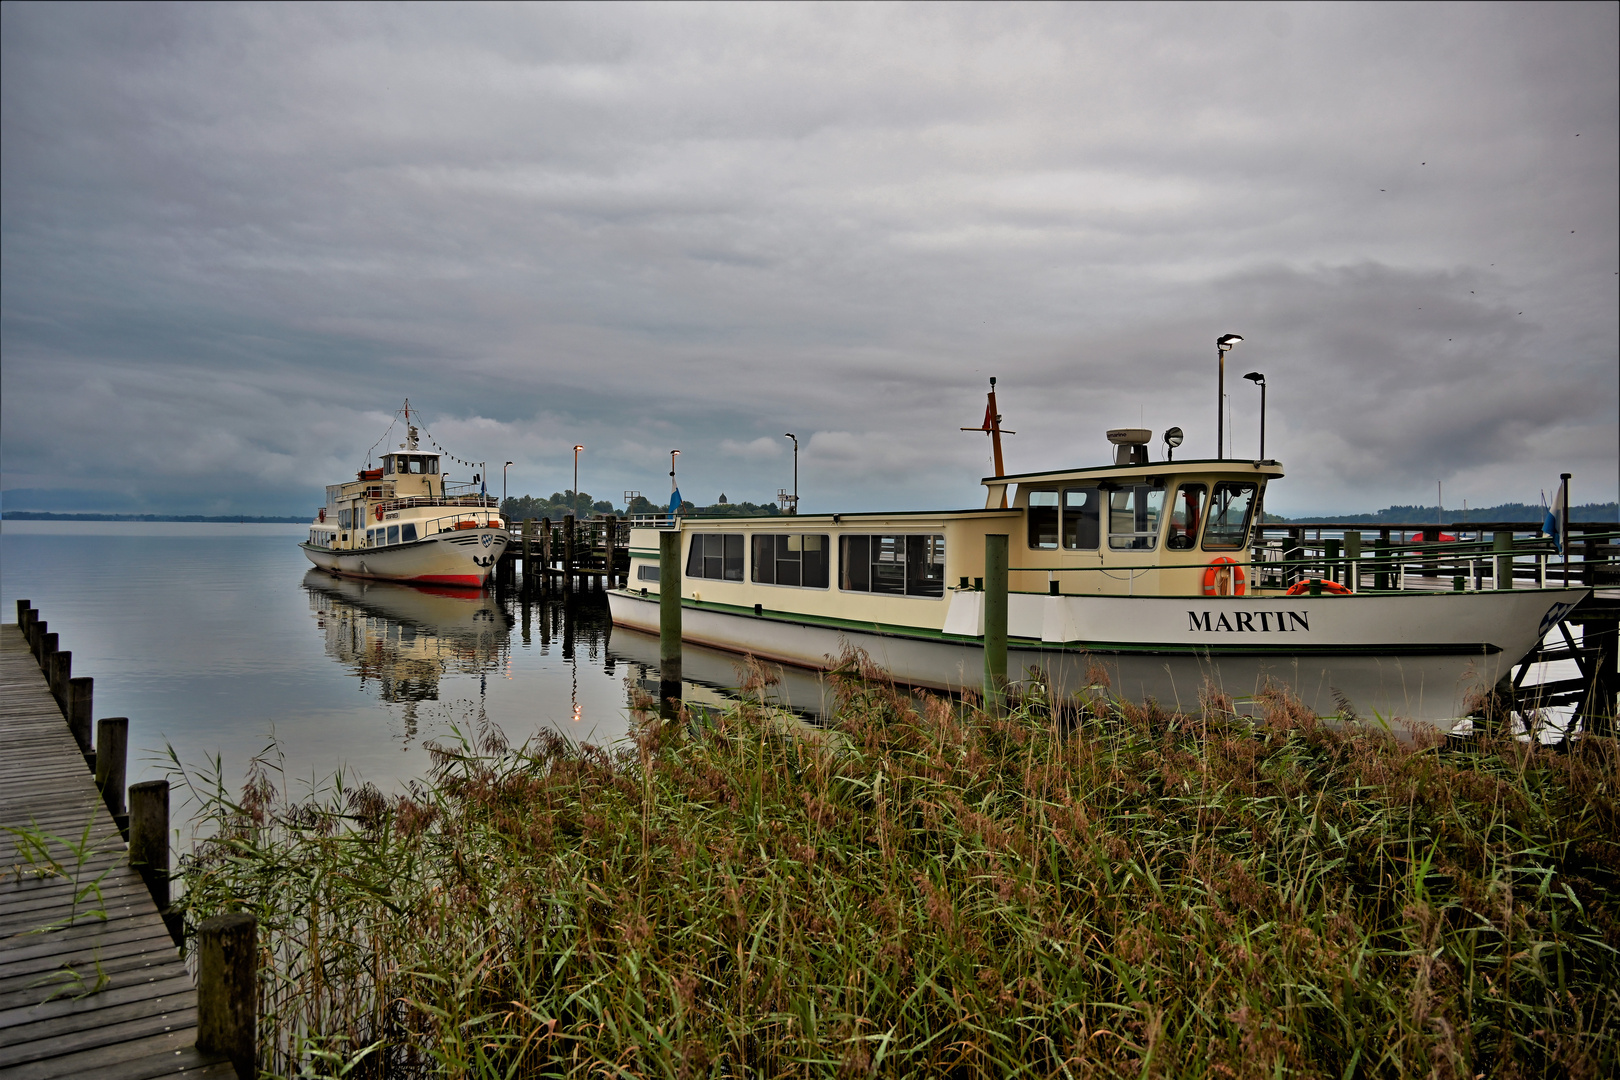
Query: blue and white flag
{"x": 1549, "y": 524}
{"x": 675, "y": 502}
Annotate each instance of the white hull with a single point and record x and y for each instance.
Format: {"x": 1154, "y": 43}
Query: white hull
{"x": 460, "y": 557}
{"x": 1408, "y": 659}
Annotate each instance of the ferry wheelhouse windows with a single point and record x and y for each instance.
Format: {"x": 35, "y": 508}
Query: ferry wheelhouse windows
{"x": 897, "y": 565}
{"x": 791, "y": 559}
{"x": 717, "y": 556}
{"x": 1072, "y": 514}
{"x": 410, "y": 464}
{"x": 1230, "y": 505}
{"x": 1133, "y": 517}
{"x": 1186, "y": 515}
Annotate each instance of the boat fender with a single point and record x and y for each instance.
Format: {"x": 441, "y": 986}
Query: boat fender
{"x": 1329, "y": 588}
{"x": 1224, "y": 577}
{"x": 379, "y": 513}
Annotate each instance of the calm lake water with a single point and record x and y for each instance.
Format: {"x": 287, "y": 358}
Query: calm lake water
{"x": 219, "y": 639}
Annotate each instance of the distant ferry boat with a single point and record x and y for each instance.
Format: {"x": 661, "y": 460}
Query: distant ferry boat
{"x": 1143, "y": 572}
{"x": 404, "y": 522}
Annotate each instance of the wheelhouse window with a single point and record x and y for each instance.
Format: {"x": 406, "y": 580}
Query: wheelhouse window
{"x": 1043, "y": 520}
{"x": 407, "y": 533}
{"x": 1133, "y": 517}
{"x": 791, "y": 559}
{"x": 1186, "y": 515}
{"x": 393, "y": 534}
{"x": 896, "y": 565}
{"x": 717, "y": 556}
{"x": 1082, "y": 518}
{"x": 1230, "y": 505}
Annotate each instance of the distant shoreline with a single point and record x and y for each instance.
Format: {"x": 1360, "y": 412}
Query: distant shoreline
{"x": 225, "y": 519}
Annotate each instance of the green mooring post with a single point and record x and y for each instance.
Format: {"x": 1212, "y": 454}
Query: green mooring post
{"x": 995, "y": 622}
{"x": 669, "y": 617}
{"x": 1503, "y": 577}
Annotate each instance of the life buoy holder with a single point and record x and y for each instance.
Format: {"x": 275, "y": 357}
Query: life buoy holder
{"x": 1329, "y": 588}
{"x": 379, "y": 513}
{"x": 1224, "y": 577}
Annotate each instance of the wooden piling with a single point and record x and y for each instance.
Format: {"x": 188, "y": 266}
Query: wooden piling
{"x": 569, "y": 564}
{"x": 58, "y": 670}
{"x": 669, "y": 616}
{"x": 149, "y": 837}
{"x": 1381, "y": 560}
{"x": 528, "y": 553}
{"x": 995, "y": 622}
{"x": 1352, "y": 560}
{"x": 80, "y": 702}
{"x": 40, "y": 633}
{"x": 112, "y": 748}
{"x": 610, "y": 543}
{"x": 228, "y": 990}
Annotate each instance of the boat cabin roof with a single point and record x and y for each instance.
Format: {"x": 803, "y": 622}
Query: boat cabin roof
{"x": 1202, "y": 466}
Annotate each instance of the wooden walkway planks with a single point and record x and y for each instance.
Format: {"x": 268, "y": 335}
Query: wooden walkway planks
{"x": 90, "y": 982}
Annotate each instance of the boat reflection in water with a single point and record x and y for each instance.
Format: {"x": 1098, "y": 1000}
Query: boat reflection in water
{"x": 552, "y": 658}
{"x": 408, "y": 638}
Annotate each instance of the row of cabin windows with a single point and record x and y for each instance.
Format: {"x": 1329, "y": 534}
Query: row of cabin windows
{"x": 391, "y": 534}
{"x": 1073, "y": 517}
{"x": 322, "y": 538}
{"x": 893, "y": 564}
{"x": 412, "y": 464}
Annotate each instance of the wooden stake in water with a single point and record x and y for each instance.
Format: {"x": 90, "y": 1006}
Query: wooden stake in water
{"x": 995, "y": 622}
{"x": 228, "y": 991}
{"x": 669, "y": 615}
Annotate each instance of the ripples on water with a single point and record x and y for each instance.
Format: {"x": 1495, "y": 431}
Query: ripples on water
{"x": 216, "y": 639}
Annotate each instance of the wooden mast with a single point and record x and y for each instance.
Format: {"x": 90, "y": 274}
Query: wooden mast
{"x": 992, "y": 427}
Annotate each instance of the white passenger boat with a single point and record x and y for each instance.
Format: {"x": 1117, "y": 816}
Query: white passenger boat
{"x": 1139, "y": 573}
{"x": 405, "y": 522}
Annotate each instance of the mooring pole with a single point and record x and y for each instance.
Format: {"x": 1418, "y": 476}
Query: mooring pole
{"x": 669, "y": 618}
{"x": 1503, "y": 541}
{"x": 81, "y": 698}
{"x": 58, "y": 671}
{"x": 112, "y": 745}
{"x": 995, "y": 622}
{"x": 149, "y": 843}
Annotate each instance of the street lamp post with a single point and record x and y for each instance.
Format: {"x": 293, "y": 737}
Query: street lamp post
{"x": 1260, "y": 380}
{"x": 1223, "y": 345}
{"x": 508, "y": 465}
{"x": 577, "y": 449}
{"x": 795, "y": 439}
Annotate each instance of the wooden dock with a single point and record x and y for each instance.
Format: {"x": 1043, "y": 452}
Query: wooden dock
{"x": 91, "y": 984}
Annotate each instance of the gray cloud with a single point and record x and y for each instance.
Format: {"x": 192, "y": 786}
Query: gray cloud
{"x": 233, "y": 237}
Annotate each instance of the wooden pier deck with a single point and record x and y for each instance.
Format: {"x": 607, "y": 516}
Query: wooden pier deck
{"x": 91, "y": 984}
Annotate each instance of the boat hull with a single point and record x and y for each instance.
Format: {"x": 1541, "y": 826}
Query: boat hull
{"x": 463, "y": 557}
{"x": 1407, "y": 660}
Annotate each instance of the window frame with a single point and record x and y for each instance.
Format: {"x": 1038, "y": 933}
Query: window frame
{"x": 901, "y": 544}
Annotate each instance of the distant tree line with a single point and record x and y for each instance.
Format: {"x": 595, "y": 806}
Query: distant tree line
{"x": 1423, "y": 515}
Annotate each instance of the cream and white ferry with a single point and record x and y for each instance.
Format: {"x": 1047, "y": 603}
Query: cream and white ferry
{"x": 1146, "y": 569}
{"x": 404, "y": 522}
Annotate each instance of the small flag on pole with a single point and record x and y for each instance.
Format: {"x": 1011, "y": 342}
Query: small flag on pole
{"x": 1549, "y": 524}
{"x": 674, "y": 502}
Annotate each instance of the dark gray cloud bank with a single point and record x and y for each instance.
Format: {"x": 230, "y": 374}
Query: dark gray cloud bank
{"x": 235, "y": 237}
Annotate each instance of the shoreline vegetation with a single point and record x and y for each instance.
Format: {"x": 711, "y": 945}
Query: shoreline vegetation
{"x": 1074, "y": 889}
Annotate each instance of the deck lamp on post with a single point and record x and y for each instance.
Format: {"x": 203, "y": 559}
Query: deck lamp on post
{"x": 508, "y": 465}
{"x": 795, "y": 439}
{"x": 1223, "y": 345}
{"x": 577, "y": 449}
{"x": 1260, "y": 381}
{"x": 1172, "y": 439}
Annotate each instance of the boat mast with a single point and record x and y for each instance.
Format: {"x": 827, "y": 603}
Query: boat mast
{"x": 992, "y": 426}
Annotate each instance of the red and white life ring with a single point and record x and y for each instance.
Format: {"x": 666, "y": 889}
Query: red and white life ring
{"x": 1224, "y": 577}
{"x": 323, "y": 515}
{"x": 1329, "y": 588}
{"x": 379, "y": 513}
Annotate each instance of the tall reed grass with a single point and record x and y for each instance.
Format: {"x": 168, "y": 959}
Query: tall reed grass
{"x": 1097, "y": 889}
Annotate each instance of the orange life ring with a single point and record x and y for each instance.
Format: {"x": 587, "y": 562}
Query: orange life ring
{"x": 1329, "y": 588}
{"x": 1224, "y": 577}
{"x": 379, "y": 513}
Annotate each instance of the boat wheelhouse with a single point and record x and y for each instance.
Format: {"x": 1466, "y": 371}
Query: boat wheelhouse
{"x": 1143, "y": 574}
{"x": 406, "y": 521}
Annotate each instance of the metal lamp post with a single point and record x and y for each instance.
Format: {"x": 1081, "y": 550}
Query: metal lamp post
{"x": 508, "y": 465}
{"x": 1223, "y": 345}
{"x": 795, "y": 439}
{"x": 577, "y": 449}
{"x": 1260, "y": 381}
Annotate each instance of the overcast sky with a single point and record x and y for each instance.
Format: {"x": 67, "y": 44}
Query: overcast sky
{"x": 235, "y": 238}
